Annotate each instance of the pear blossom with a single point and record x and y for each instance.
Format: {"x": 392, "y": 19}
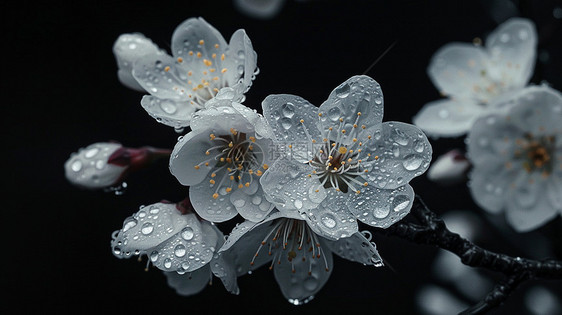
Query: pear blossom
{"x": 106, "y": 164}
{"x": 300, "y": 259}
{"x": 339, "y": 161}
{"x": 201, "y": 66}
{"x": 517, "y": 159}
{"x": 177, "y": 242}
{"x": 221, "y": 159}
{"x": 260, "y": 9}
{"x": 475, "y": 78}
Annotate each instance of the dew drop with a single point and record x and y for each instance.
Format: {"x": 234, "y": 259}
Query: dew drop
{"x": 239, "y": 203}
{"x": 154, "y": 256}
{"x": 286, "y": 123}
{"x": 91, "y": 153}
{"x": 343, "y": 91}
{"x": 130, "y": 223}
{"x": 334, "y": 113}
{"x": 412, "y": 162}
{"x": 147, "y": 228}
{"x": 400, "y": 202}
{"x": 180, "y": 250}
{"x": 256, "y": 200}
{"x": 168, "y": 107}
{"x": 381, "y": 212}
{"x": 298, "y": 203}
{"x": 328, "y": 221}
{"x": 76, "y": 166}
{"x": 167, "y": 263}
{"x": 288, "y": 110}
{"x": 187, "y": 233}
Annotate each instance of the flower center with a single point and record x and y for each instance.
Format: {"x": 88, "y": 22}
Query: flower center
{"x": 237, "y": 157}
{"x": 292, "y": 239}
{"x": 205, "y": 74}
{"x": 536, "y": 153}
{"x": 338, "y": 159}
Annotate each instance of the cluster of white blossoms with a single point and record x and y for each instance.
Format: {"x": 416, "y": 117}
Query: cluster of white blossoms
{"x": 301, "y": 177}
{"x": 514, "y": 148}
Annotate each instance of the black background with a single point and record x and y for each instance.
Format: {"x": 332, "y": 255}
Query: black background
{"x": 61, "y": 93}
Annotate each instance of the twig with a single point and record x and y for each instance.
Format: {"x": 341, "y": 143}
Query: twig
{"x": 432, "y": 231}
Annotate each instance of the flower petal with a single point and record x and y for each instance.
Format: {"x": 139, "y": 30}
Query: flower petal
{"x": 449, "y": 118}
{"x": 149, "y": 227}
{"x": 356, "y": 102}
{"x": 538, "y": 111}
{"x": 168, "y": 112}
{"x": 460, "y": 71}
{"x": 492, "y": 138}
{"x": 381, "y": 207}
{"x": 162, "y": 76}
{"x": 358, "y": 249}
{"x": 127, "y": 49}
{"x": 331, "y": 219}
{"x": 284, "y": 114}
{"x": 242, "y": 58}
{"x": 196, "y": 35}
{"x": 449, "y": 168}
{"x": 512, "y": 48}
{"x": 489, "y": 184}
{"x": 190, "y": 249}
{"x": 188, "y": 158}
{"x": 250, "y": 203}
{"x": 221, "y": 119}
{"x": 300, "y": 280}
{"x": 189, "y": 283}
{"x": 291, "y": 186}
{"x": 203, "y": 199}
{"x": 527, "y": 208}
{"x": 553, "y": 191}
{"x": 398, "y": 153}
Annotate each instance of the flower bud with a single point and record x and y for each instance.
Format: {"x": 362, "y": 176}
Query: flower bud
{"x": 449, "y": 168}
{"x": 105, "y": 164}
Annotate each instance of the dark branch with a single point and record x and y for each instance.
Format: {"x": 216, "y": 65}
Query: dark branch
{"x": 431, "y": 230}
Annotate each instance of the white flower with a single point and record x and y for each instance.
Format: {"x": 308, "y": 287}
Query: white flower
{"x": 221, "y": 160}
{"x": 105, "y": 164}
{"x": 202, "y": 65}
{"x": 301, "y": 260}
{"x": 517, "y": 158}
{"x": 176, "y": 243}
{"x": 476, "y": 78}
{"x": 339, "y": 161}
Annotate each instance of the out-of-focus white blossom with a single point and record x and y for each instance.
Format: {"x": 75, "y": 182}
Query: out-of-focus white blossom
{"x": 449, "y": 168}
{"x": 221, "y": 160}
{"x": 260, "y": 9}
{"x": 339, "y": 162}
{"x": 476, "y": 79}
{"x": 202, "y": 66}
{"x": 105, "y": 164}
{"x": 176, "y": 243}
{"x": 517, "y": 159}
{"x": 300, "y": 259}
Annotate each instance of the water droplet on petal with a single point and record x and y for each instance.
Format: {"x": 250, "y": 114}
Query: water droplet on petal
{"x": 412, "y": 162}
{"x": 187, "y": 233}
{"x": 328, "y": 221}
{"x": 343, "y": 91}
{"x": 129, "y": 223}
{"x": 400, "y": 202}
{"x": 147, "y": 228}
{"x": 180, "y": 250}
